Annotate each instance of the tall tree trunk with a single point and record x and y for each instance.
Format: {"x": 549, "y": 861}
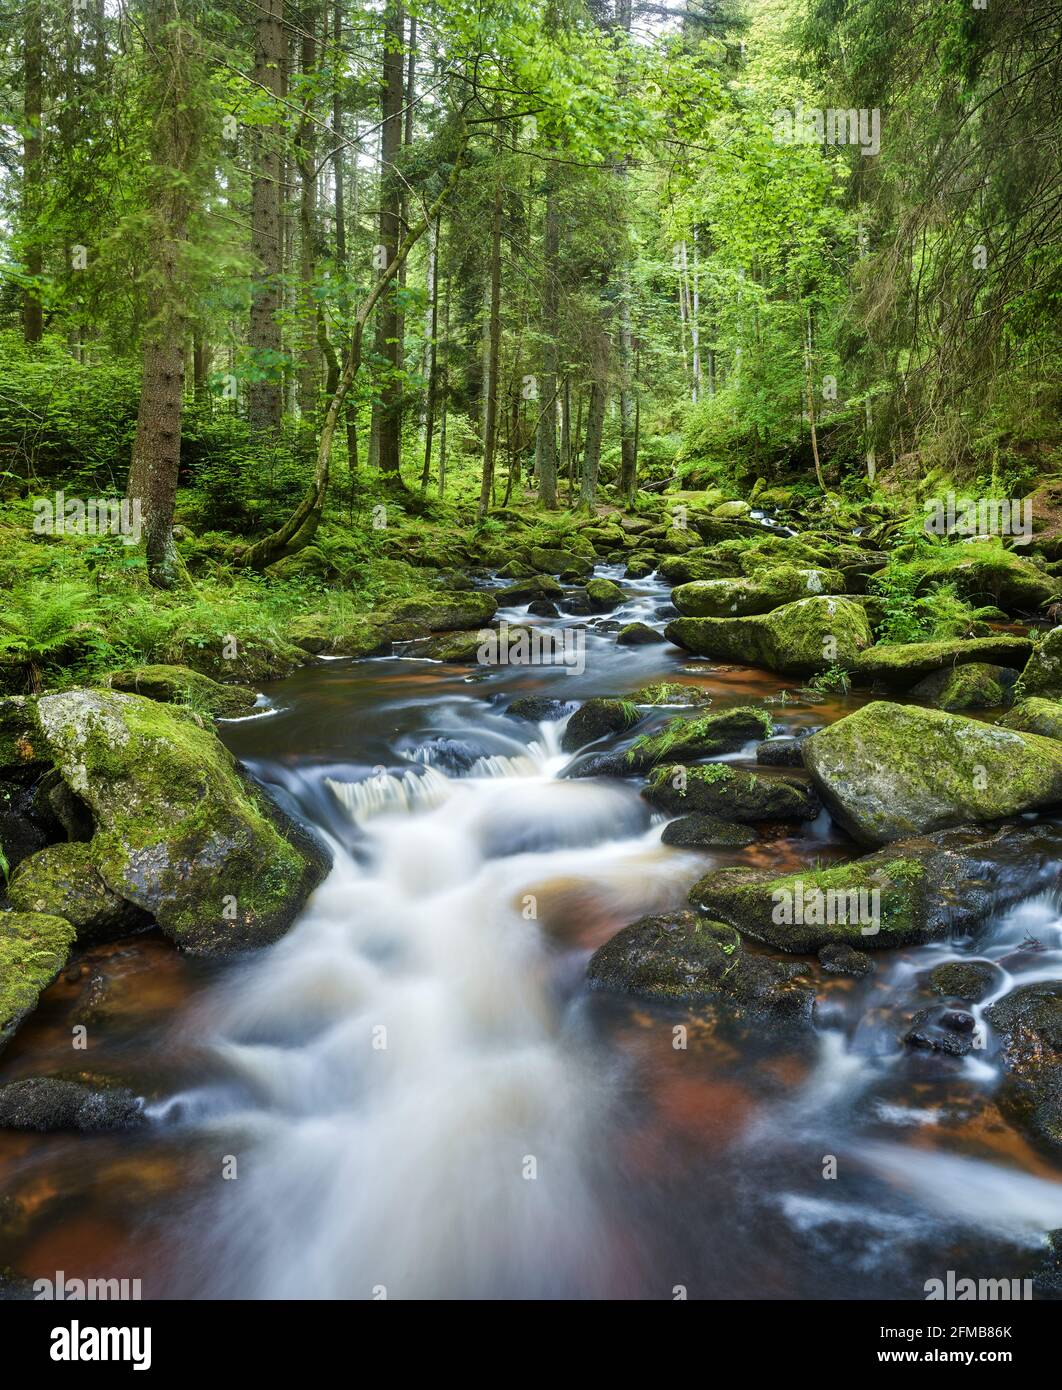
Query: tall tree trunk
{"x": 387, "y": 411}
{"x": 546, "y": 441}
{"x": 175, "y": 143}
{"x": 595, "y": 421}
{"x": 306, "y": 162}
{"x": 432, "y": 350}
{"x": 265, "y": 398}
{"x": 490, "y": 423}
{"x": 33, "y": 108}
{"x": 811, "y": 403}
{"x": 444, "y": 392}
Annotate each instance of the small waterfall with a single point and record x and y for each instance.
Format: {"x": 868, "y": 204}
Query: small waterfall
{"x": 386, "y": 792}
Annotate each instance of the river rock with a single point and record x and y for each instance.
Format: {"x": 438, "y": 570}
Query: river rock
{"x": 569, "y": 566}
{"x": 683, "y": 958}
{"x": 707, "y": 832}
{"x": 1043, "y": 670}
{"x": 839, "y": 958}
{"x": 640, "y": 566}
{"x": 721, "y": 731}
{"x": 924, "y": 889}
{"x": 604, "y": 595}
{"x": 638, "y": 635}
{"x": 975, "y": 685}
{"x": 537, "y": 586}
{"x": 780, "y": 752}
{"x": 891, "y": 770}
{"x": 1035, "y": 716}
{"x": 49, "y": 1103}
{"x": 799, "y": 638}
{"x": 969, "y": 980}
{"x": 181, "y": 831}
{"x": 1029, "y": 1024}
{"x": 34, "y": 948}
{"x": 62, "y": 881}
{"x": 179, "y": 685}
{"x": 904, "y": 664}
{"x": 716, "y": 789}
{"x": 536, "y": 708}
{"x": 596, "y": 718}
{"x": 768, "y": 589}
{"x": 448, "y": 612}
{"x": 940, "y": 1029}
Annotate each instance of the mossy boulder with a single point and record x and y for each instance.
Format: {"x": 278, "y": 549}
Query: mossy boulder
{"x": 181, "y": 831}
{"x": 448, "y": 612}
{"x": 968, "y": 980}
{"x": 707, "y": 832}
{"x": 669, "y": 693}
{"x": 904, "y": 664}
{"x": 681, "y": 958}
{"x": 246, "y": 660}
{"x": 984, "y": 571}
{"x": 700, "y": 565}
{"x": 1043, "y": 671}
{"x": 539, "y": 707}
{"x": 1035, "y": 716}
{"x": 604, "y": 594}
{"x": 62, "y": 881}
{"x": 354, "y": 637}
{"x": 780, "y": 752}
{"x": 730, "y": 511}
{"x": 179, "y": 685}
{"x": 927, "y": 888}
{"x": 546, "y": 560}
{"x": 800, "y": 638}
{"x": 721, "y": 731}
{"x": 716, "y": 789}
{"x": 639, "y": 635}
{"x": 595, "y": 719}
{"x": 1029, "y": 1024}
{"x": 22, "y": 754}
{"x": 769, "y": 589}
{"x": 975, "y": 685}
{"x": 640, "y": 565}
{"x": 34, "y": 947}
{"x": 535, "y": 586}
{"x": 891, "y": 770}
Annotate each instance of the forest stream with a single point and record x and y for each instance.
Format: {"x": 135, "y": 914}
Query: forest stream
{"x": 415, "y": 1094}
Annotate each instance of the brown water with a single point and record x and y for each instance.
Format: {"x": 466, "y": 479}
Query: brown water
{"x": 517, "y": 1135}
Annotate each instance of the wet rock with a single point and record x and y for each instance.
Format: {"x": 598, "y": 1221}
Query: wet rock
{"x": 950, "y": 1031}
{"x": 1048, "y": 1278}
{"x": 596, "y": 718}
{"x": 838, "y": 958}
{"x": 640, "y": 566}
{"x": 706, "y": 832}
{"x": 22, "y": 830}
{"x": 767, "y": 589}
{"x": 904, "y": 664}
{"x": 543, "y": 608}
{"x": 969, "y": 980}
{"x": 638, "y": 635}
{"x": 923, "y": 889}
{"x": 729, "y": 511}
{"x": 14, "y": 1287}
{"x": 1036, "y": 716}
{"x": 1029, "y": 1024}
{"x": 181, "y": 831}
{"x": 448, "y": 612}
{"x": 721, "y": 731}
{"x": 604, "y": 595}
{"x": 683, "y": 958}
{"x": 63, "y": 881}
{"x": 538, "y": 586}
{"x": 780, "y": 752}
{"x": 49, "y": 1103}
{"x": 892, "y": 770}
{"x": 800, "y": 638}
{"x": 715, "y": 789}
{"x": 1043, "y": 671}
{"x": 536, "y": 708}
{"x": 451, "y": 754}
{"x": 179, "y": 685}
{"x": 549, "y": 561}
{"x": 669, "y": 693}
{"x": 974, "y": 685}
{"x": 33, "y": 949}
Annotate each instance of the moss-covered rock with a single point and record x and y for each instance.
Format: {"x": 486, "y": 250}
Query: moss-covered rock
{"x": 246, "y": 660}
{"x": 890, "y": 770}
{"x": 904, "y": 664}
{"x": 984, "y": 571}
{"x": 839, "y": 958}
{"x": 354, "y": 636}
{"x": 707, "y": 832}
{"x": 604, "y": 595}
{"x": 539, "y": 707}
{"x": 536, "y": 586}
{"x": 22, "y": 756}
{"x": 730, "y": 511}
{"x": 716, "y": 789}
{"x": 181, "y": 832}
{"x": 721, "y": 731}
{"x": 33, "y": 949}
{"x": 448, "y": 612}
{"x": 1035, "y": 716}
{"x": 739, "y": 598}
{"x": 179, "y": 685}
{"x": 1043, "y": 671}
{"x": 1029, "y": 1024}
{"x": 699, "y": 565}
{"x": 975, "y": 685}
{"x": 596, "y": 718}
{"x": 669, "y": 693}
{"x": 800, "y": 638}
{"x": 679, "y": 957}
{"x": 780, "y": 752}
{"x": 62, "y": 881}
{"x": 968, "y": 980}
{"x": 640, "y": 565}
{"x": 926, "y": 888}
{"x": 639, "y": 635}
{"x": 563, "y": 562}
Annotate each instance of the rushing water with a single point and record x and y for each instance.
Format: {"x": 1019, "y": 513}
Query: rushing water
{"x": 414, "y": 1092}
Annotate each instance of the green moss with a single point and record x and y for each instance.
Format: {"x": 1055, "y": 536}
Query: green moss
{"x": 34, "y": 947}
